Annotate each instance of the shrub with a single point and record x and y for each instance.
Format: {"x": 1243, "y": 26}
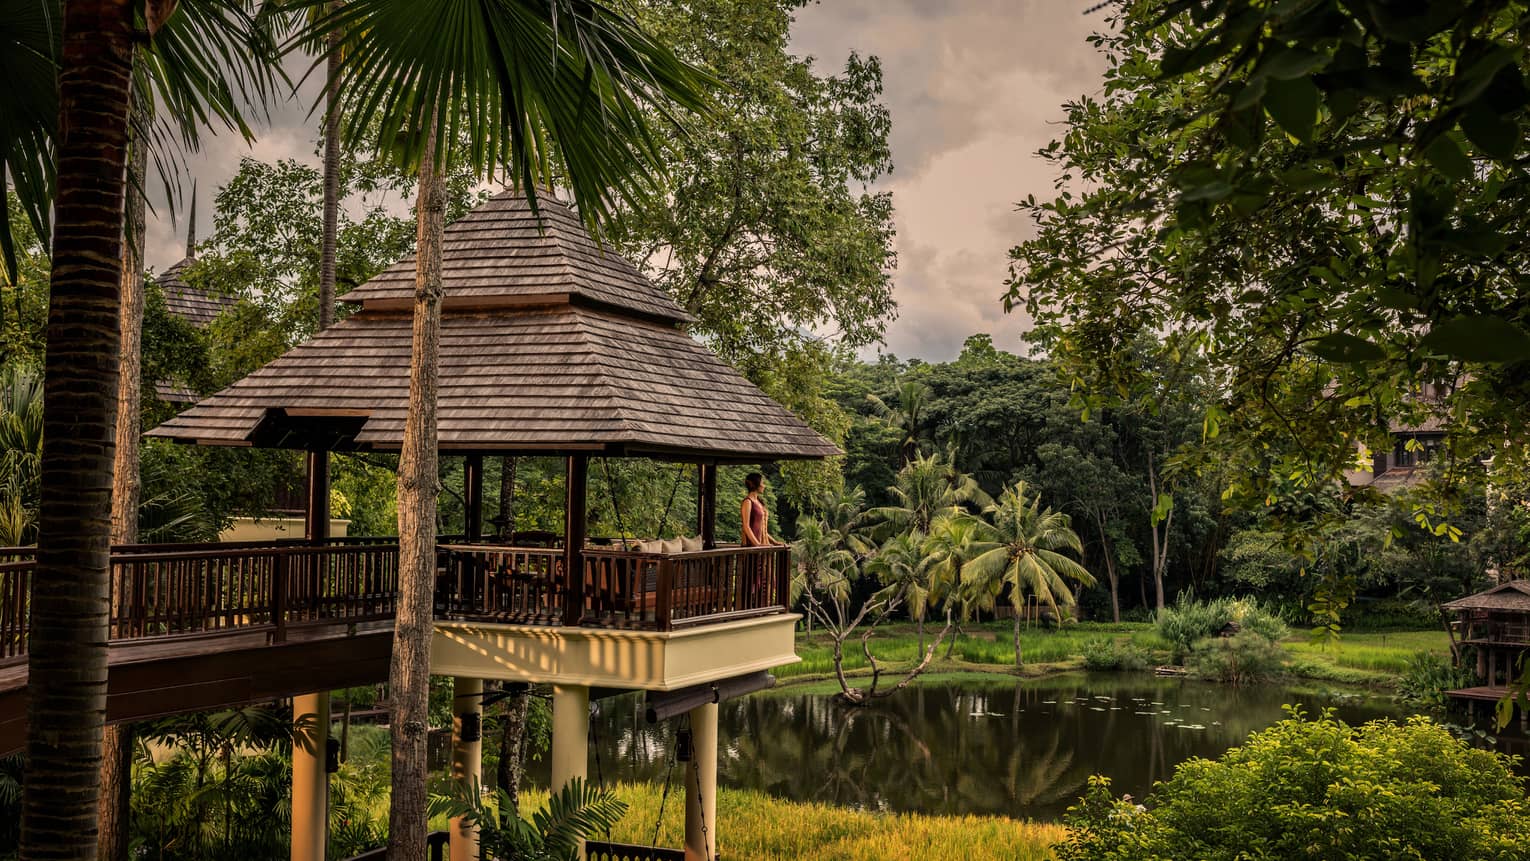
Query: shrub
{"x": 1189, "y": 621}
{"x": 1108, "y": 653}
{"x": 1427, "y": 677}
{"x": 1317, "y": 791}
{"x": 1247, "y": 656}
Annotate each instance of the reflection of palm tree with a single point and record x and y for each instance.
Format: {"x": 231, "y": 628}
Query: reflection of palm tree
{"x": 1018, "y": 550}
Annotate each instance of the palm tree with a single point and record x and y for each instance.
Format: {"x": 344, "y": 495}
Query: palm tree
{"x": 822, "y": 566}
{"x": 928, "y": 487}
{"x": 200, "y": 58}
{"x": 900, "y": 566}
{"x": 546, "y": 89}
{"x": 907, "y": 417}
{"x": 950, "y": 545}
{"x": 1018, "y": 550}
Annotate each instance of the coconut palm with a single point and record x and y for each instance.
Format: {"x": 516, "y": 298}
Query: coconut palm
{"x": 541, "y": 90}
{"x": 952, "y": 542}
{"x": 1018, "y": 549}
{"x": 906, "y": 417}
{"x": 821, "y": 564}
{"x": 900, "y": 567}
{"x": 928, "y": 487}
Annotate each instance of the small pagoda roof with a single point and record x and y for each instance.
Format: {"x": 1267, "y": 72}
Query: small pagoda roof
{"x": 562, "y": 357}
{"x": 192, "y": 304}
{"x": 1512, "y": 596}
{"x": 502, "y": 253}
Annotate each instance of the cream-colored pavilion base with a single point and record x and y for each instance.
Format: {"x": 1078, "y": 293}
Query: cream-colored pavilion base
{"x": 467, "y": 761}
{"x": 310, "y": 782}
{"x": 701, "y": 786}
{"x": 605, "y": 658}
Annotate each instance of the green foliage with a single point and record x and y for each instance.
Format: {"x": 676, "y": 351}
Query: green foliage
{"x": 1428, "y": 676}
{"x": 1111, "y": 653}
{"x": 1243, "y": 658}
{"x": 554, "y": 832}
{"x": 1318, "y": 790}
{"x": 1189, "y": 621}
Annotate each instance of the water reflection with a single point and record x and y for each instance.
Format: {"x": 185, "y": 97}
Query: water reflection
{"x": 1023, "y": 749}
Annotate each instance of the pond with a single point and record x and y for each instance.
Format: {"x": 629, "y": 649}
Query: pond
{"x": 981, "y": 745}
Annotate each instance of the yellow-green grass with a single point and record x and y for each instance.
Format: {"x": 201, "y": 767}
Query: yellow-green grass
{"x": 1382, "y": 653}
{"x": 754, "y": 825}
{"x": 989, "y": 644}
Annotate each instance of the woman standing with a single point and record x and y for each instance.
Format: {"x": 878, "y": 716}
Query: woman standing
{"x": 753, "y": 515}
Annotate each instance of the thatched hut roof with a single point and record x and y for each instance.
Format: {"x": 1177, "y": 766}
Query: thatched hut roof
{"x": 1512, "y": 596}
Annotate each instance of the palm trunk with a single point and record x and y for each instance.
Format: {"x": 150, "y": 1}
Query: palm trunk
{"x": 418, "y": 484}
{"x": 1019, "y": 656}
{"x": 70, "y": 599}
{"x": 919, "y": 628}
{"x": 115, "y": 807}
{"x": 331, "y": 181}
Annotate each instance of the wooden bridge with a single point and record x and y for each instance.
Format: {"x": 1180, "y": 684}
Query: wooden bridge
{"x": 206, "y": 626}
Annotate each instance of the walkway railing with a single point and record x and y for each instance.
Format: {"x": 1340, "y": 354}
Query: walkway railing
{"x": 189, "y": 589}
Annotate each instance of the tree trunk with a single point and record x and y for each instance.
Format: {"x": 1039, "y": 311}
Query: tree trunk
{"x": 418, "y": 484}
{"x": 70, "y": 602}
{"x": 331, "y": 180}
{"x": 1019, "y": 656}
{"x": 511, "y": 745}
{"x": 115, "y": 806}
{"x": 507, "y": 469}
{"x": 919, "y": 628}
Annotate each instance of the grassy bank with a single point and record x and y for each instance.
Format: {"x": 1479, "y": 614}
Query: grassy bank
{"x": 1370, "y": 658}
{"x": 755, "y": 825}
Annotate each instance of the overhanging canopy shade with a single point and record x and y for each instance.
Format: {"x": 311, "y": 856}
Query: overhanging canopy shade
{"x": 552, "y": 362}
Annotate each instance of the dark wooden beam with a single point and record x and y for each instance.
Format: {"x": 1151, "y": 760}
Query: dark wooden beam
{"x": 575, "y": 513}
{"x": 706, "y": 508}
{"x": 472, "y": 497}
{"x": 663, "y": 705}
{"x": 316, "y": 516}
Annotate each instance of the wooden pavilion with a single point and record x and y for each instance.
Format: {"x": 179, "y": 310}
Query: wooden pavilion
{"x": 550, "y": 346}
{"x": 1495, "y": 625}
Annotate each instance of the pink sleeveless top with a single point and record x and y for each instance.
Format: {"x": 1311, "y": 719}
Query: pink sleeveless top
{"x": 756, "y": 516}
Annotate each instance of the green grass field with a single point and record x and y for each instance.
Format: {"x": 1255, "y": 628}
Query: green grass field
{"x": 754, "y": 825}
{"x": 1370, "y": 658}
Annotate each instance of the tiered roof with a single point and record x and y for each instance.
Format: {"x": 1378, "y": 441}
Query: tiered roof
{"x": 548, "y": 344}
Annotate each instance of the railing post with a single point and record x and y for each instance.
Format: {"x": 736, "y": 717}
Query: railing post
{"x": 784, "y": 577}
{"x": 664, "y": 589}
{"x": 279, "y": 594}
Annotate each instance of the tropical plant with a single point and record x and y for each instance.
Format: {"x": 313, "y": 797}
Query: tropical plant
{"x": 927, "y": 487}
{"x": 21, "y": 416}
{"x": 1018, "y": 551}
{"x": 820, "y": 565}
{"x": 906, "y": 416}
{"x": 1189, "y": 621}
{"x": 545, "y": 90}
{"x": 949, "y": 546}
{"x": 900, "y": 566}
{"x": 1317, "y": 789}
{"x": 555, "y": 832}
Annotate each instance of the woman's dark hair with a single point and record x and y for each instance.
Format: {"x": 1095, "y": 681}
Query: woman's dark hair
{"x": 753, "y": 481}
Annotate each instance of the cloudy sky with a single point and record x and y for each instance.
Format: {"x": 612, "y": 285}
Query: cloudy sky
{"x": 974, "y": 87}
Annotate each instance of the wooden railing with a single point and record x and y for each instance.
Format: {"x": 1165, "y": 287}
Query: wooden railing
{"x": 173, "y": 590}
{"x": 212, "y": 588}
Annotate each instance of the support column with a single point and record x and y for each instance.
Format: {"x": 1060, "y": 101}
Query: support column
{"x": 701, "y": 786}
{"x": 467, "y": 760}
{"x": 575, "y": 512}
{"x": 570, "y": 734}
{"x": 316, "y": 513}
{"x": 472, "y": 498}
{"x": 310, "y": 781}
{"x": 706, "y": 508}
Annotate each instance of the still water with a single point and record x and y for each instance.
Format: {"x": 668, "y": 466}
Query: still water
{"x": 1014, "y": 748}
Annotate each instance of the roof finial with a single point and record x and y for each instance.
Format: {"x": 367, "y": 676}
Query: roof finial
{"x": 191, "y": 223}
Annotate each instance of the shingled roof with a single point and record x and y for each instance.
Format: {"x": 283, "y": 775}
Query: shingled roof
{"x": 192, "y": 304}
{"x": 501, "y": 252}
{"x": 563, "y": 357}
{"x": 1513, "y": 596}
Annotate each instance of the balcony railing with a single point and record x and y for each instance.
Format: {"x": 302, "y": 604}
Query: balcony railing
{"x": 191, "y": 589}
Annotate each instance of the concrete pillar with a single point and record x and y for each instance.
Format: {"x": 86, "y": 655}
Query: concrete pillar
{"x": 570, "y": 734}
{"x": 467, "y": 759}
{"x": 310, "y": 782}
{"x": 701, "y": 786}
